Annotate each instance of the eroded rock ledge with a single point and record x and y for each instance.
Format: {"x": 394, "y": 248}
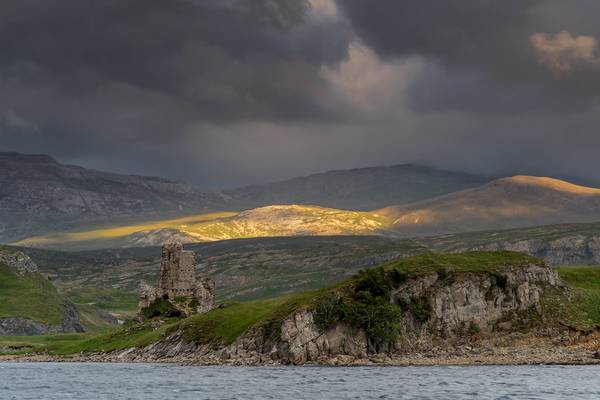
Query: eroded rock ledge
{"x": 443, "y": 311}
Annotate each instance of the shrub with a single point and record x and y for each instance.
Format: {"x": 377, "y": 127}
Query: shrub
{"x": 161, "y": 308}
{"x": 398, "y": 277}
{"x": 375, "y": 281}
{"x": 327, "y": 312}
{"x": 473, "y": 328}
{"x": 421, "y": 309}
{"x": 367, "y": 306}
{"x": 194, "y": 304}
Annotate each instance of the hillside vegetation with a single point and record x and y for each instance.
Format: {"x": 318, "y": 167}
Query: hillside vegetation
{"x": 507, "y": 203}
{"x": 585, "y": 283}
{"x": 361, "y": 189}
{"x": 365, "y": 294}
{"x": 243, "y": 269}
{"x": 31, "y": 304}
{"x": 271, "y": 221}
{"x": 151, "y": 233}
{"x": 31, "y": 296}
{"x": 39, "y": 195}
{"x": 515, "y": 202}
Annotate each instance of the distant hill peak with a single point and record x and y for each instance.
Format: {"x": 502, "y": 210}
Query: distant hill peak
{"x": 549, "y": 183}
{"x": 361, "y": 189}
{"x": 28, "y": 158}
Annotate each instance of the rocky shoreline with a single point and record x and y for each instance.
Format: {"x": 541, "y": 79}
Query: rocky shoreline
{"x": 529, "y": 351}
{"x": 504, "y": 315}
{"x": 531, "y": 357}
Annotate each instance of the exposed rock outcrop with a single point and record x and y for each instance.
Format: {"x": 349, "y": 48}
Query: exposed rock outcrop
{"x": 19, "y": 261}
{"x": 457, "y": 303}
{"x": 459, "y": 308}
{"x": 567, "y": 250}
{"x": 20, "y": 326}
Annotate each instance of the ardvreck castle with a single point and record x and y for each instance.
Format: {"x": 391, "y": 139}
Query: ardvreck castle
{"x": 178, "y": 284}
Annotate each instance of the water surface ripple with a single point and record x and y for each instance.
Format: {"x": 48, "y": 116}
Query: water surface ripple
{"x": 159, "y": 381}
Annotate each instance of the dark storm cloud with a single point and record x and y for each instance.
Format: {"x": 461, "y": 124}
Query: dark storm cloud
{"x": 222, "y": 59}
{"x": 124, "y": 79}
{"x": 230, "y": 92}
{"x": 480, "y": 51}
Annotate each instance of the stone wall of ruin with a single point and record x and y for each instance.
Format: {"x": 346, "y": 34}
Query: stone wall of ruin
{"x": 177, "y": 282}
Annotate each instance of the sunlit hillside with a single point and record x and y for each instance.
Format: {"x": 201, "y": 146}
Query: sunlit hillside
{"x": 136, "y": 234}
{"x": 506, "y": 203}
{"x": 513, "y": 202}
{"x": 280, "y": 220}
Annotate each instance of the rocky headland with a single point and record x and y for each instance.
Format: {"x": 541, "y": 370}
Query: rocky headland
{"x": 472, "y": 308}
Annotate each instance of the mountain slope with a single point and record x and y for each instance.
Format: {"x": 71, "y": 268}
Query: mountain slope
{"x": 506, "y": 203}
{"x": 280, "y": 220}
{"x": 38, "y": 194}
{"x": 357, "y": 189}
{"x": 513, "y": 202}
{"x": 29, "y": 303}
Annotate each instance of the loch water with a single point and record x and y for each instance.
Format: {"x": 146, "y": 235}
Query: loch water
{"x": 49, "y": 381}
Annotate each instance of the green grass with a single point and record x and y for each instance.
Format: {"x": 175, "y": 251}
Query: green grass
{"x": 585, "y": 283}
{"x": 138, "y": 336}
{"x": 41, "y": 343}
{"x": 474, "y": 261}
{"x": 225, "y": 324}
{"x": 31, "y": 296}
{"x": 547, "y": 233}
{"x": 117, "y": 301}
{"x": 8, "y": 249}
{"x": 221, "y": 326}
{"x": 92, "y": 319}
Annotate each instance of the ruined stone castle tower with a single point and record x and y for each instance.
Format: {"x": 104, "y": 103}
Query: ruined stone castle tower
{"x": 177, "y": 282}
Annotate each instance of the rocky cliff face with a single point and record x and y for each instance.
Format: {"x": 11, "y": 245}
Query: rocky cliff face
{"x": 21, "y": 326}
{"x": 453, "y": 309}
{"x": 567, "y": 250}
{"x": 20, "y": 262}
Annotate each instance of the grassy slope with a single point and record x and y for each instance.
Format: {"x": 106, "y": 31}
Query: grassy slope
{"x": 585, "y": 283}
{"x": 283, "y": 220}
{"x": 35, "y": 297}
{"x": 225, "y": 324}
{"x": 461, "y": 241}
{"x": 462, "y": 262}
{"x": 222, "y": 325}
{"x": 244, "y": 269}
{"x": 111, "y": 300}
{"x": 98, "y": 238}
{"x": 31, "y": 296}
{"x": 8, "y": 249}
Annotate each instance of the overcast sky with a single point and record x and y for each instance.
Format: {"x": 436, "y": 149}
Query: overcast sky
{"x": 229, "y": 92}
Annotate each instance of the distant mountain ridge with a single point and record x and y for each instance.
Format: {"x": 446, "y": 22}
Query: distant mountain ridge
{"x": 507, "y": 203}
{"x": 361, "y": 189}
{"x": 47, "y": 204}
{"x": 39, "y": 195}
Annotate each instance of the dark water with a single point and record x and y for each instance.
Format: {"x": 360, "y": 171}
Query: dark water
{"x": 152, "y": 381}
